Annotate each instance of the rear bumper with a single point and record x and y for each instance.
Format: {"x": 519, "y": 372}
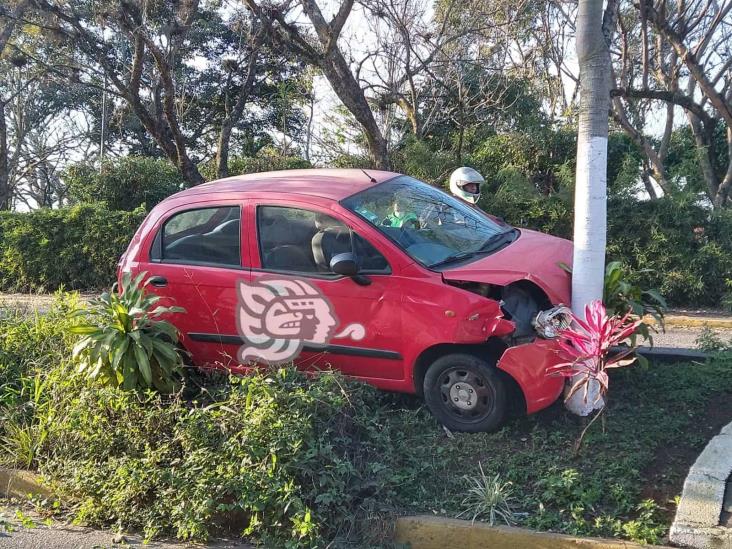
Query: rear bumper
{"x": 527, "y": 364}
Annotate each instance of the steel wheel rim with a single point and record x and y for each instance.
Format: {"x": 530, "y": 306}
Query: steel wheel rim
{"x": 466, "y": 394}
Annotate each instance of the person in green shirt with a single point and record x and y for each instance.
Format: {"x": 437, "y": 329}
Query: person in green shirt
{"x": 400, "y": 217}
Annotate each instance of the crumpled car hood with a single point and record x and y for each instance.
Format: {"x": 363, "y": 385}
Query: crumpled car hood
{"x": 532, "y": 256}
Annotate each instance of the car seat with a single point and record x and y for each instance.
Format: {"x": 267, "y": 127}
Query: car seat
{"x": 332, "y": 238}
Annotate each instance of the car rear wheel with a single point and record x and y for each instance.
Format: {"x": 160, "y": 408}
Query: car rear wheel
{"x": 465, "y": 393}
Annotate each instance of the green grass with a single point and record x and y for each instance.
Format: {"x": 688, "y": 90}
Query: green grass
{"x": 623, "y": 482}
{"x": 354, "y": 456}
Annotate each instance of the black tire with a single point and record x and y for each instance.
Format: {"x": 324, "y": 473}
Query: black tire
{"x": 465, "y": 393}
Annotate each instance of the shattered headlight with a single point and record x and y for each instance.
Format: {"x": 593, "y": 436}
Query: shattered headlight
{"x": 549, "y": 323}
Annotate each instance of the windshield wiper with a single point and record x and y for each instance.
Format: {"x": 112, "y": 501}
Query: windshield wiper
{"x": 497, "y": 240}
{"x": 453, "y": 258}
{"x": 492, "y": 244}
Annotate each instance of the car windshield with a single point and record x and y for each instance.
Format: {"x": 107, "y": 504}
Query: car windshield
{"x": 430, "y": 225}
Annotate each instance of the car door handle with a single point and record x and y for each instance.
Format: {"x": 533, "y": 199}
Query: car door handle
{"x": 158, "y": 281}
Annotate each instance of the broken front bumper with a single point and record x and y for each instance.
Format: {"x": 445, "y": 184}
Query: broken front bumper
{"x": 528, "y": 364}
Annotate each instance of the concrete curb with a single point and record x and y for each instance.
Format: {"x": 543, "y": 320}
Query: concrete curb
{"x": 666, "y": 354}
{"x": 429, "y": 532}
{"x": 15, "y": 483}
{"x": 672, "y": 354}
{"x": 697, "y": 521}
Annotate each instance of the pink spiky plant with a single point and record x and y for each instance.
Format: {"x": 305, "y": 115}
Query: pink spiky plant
{"x": 586, "y": 345}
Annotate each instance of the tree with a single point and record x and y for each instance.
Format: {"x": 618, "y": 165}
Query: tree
{"x": 318, "y": 45}
{"x": 9, "y": 20}
{"x": 183, "y": 71}
{"x": 36, "y": 131}
{"x": 9, "y": 16}
{"x": 594, "y": 33}
{"x": 678, "y": 54}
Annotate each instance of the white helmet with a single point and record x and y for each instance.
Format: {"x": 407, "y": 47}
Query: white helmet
{"x": 465, "y": 183}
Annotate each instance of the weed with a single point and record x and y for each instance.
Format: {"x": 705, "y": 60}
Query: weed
{"x": 488, "y": 497}
{"x": 710, "y": 342}
{"x": 25, "y": 520}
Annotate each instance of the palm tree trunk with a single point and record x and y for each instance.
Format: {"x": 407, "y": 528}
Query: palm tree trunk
{"x": 590, "y": 201}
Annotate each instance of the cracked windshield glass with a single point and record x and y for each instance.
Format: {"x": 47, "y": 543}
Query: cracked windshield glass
{"x": 431, "y": 226}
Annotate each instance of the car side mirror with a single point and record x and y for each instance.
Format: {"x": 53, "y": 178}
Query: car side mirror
{"x": 344, "y": 264}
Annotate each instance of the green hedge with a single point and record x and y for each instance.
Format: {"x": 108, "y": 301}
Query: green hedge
{"x": 123, "y": 183}
{"x": 241, "y": 165}
{"x": 76, "y": 247}
{"x": 673, "y": 244}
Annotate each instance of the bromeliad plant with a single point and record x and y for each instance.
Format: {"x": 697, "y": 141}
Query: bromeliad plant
{"x": 125, "y": 343}
{"x": 586, "y": 347}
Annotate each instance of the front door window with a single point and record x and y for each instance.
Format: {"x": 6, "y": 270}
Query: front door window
{"x": 304, "y": 241}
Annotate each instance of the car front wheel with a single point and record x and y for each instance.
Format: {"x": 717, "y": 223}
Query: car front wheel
{"x": 465, "y": 393}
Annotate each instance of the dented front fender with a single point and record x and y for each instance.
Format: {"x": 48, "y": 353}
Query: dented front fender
{"x": 528, "y": 365}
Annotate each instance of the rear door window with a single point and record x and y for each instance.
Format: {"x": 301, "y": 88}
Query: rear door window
{"x": 203, "y": 236}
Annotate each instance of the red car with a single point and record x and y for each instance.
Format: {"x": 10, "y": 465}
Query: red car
{"x": 373, "y": 273}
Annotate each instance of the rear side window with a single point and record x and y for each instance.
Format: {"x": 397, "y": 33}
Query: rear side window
{"x": 204, "y": 236}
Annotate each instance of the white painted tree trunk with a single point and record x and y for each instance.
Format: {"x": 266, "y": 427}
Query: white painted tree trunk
{"x": 590, "y": 199}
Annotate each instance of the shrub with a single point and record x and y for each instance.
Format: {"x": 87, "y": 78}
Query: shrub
{"x": 76, "y": 247}
{"x": 520, "y": 205}
{"x": 31, "y": 345}
{"x": 265, "y": 162}
{"x": 125, "y": 342}
{"x": 30, "y": 341}
{"x": 416, "y": 159}
{"x": 673, "y": 244}
{"x": 123, "y": 183}
{"x": 291, "y": 458}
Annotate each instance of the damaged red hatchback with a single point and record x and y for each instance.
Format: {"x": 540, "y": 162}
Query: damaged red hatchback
{"x": 376, "y": 274}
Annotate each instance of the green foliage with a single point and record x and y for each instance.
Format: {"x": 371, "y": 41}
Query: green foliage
{"x": 30, "y": 342}
{"x": 675, "y": 245}
{"x": 266, "y": 161}
{"x": 539, "y": 157}
{"x": 520, "y": 205}
{"x": 31, "y": 345}
{"x": 672, "y": 244}
{"x": 291, "y": 459}
{"x": 417, "y": 159}
{"x": 621, "y": 296}
{"x": 710, "y": 341}
{"x": 125, "y": 342}
{"x": 123, "y": 183}
{"x": 76, "y": 247}
{"x": 305, "y": 461}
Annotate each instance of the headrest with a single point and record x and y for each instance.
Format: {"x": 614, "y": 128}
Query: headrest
{"x": 323, "y": 222}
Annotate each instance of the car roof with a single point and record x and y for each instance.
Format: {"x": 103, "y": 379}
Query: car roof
{"x": 333, "y": 184}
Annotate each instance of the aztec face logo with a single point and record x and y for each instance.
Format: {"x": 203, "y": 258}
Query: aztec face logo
{"x": 276, "y": 317}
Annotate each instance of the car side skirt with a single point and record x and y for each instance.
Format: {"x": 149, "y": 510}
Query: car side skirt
{"x": 333, "y": 349}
